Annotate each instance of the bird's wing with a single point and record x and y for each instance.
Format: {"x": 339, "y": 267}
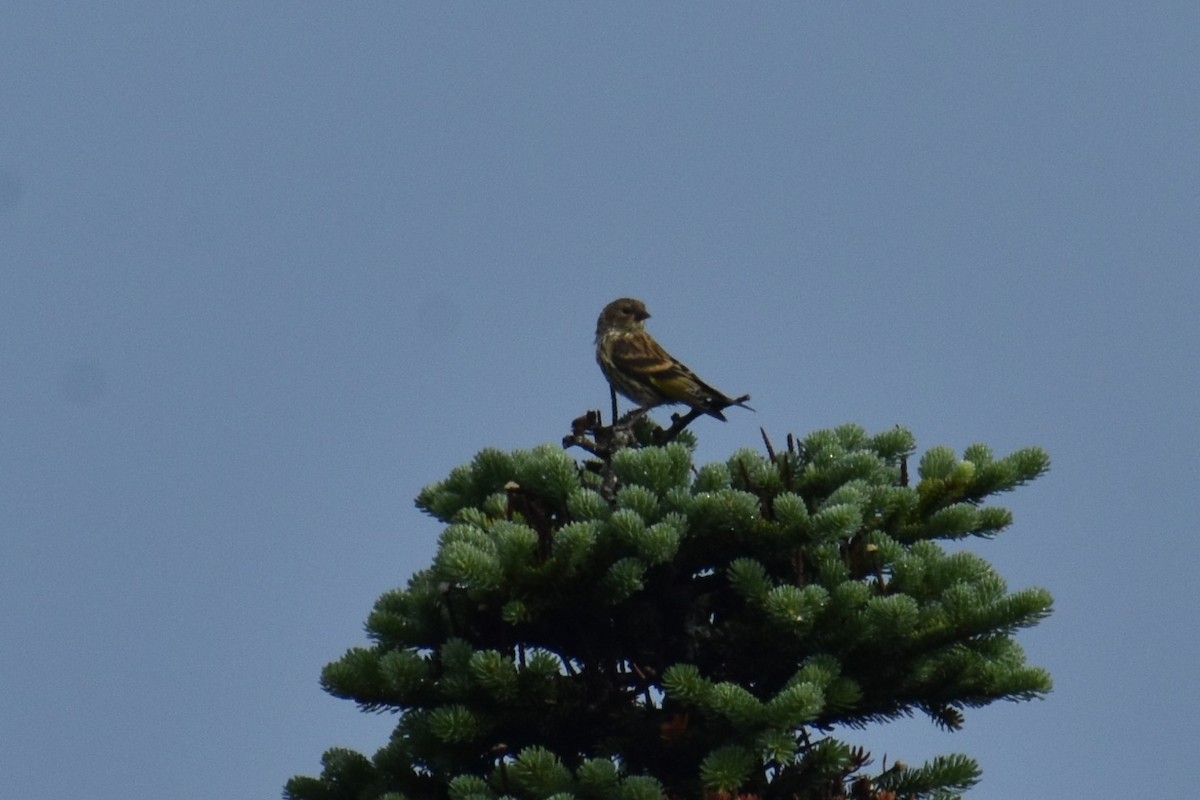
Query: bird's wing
{"x": 646, "y": 361}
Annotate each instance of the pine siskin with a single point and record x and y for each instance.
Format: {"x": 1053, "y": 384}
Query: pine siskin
{"x": 640, "y": 369}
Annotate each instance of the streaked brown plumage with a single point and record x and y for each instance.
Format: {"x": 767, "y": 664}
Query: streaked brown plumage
{"x": 640, "y": 369}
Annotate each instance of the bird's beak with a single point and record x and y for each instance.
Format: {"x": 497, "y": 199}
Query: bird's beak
{"x": 642, "y": 315}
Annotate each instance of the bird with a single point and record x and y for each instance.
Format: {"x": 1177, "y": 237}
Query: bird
{"x": 640, "y": 369}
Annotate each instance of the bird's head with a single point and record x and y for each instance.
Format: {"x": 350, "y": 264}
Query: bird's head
{"x": 625, "y": 315}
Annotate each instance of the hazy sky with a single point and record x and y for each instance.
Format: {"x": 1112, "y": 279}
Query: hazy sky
{"x": 268, "y": 269}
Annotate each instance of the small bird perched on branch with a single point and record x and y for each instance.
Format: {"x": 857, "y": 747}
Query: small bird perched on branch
{"x": 638, "y": 367}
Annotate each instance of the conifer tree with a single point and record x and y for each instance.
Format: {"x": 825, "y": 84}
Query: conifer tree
{"x": 635, "y": 628}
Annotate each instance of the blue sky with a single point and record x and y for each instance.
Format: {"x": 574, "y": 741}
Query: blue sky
{"x": 269, "y": 269}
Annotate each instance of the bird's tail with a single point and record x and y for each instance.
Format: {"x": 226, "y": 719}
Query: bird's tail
{"x": 720, "y": 403}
